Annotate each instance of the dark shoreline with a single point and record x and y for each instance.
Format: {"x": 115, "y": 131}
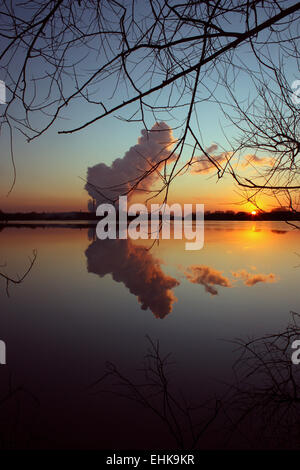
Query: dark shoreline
{"x": 84, "y": 218}
{"x": 82, "y": 224}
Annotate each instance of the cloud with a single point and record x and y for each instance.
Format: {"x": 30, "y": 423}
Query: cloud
{"x": 254, "y": 160}
{"x": 203, "y": 165}
{"x": 105, "y": 183}
{"x": 207, "y": 277}
{"x": 210, "y": 277}
{"x": 252, "y": 279}
{"x": 137, "y": 269}
{"x": 279, "y": 232}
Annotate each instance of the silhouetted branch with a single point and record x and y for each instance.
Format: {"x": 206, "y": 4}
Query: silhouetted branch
{"x": 154, "y": 59}
{"x": 155, "y": 393}
{"x": 19, "y": 279}
{"x": 267, "y": 388}
{"x": 14, "y": 420}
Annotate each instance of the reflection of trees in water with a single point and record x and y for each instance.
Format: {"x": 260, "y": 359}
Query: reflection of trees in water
{"x": 18, "y": 279}
{"x": 18, "y": 414}
{"x": 259, "y": 409}
{"x": 154, "y": 391}
{"x": 137, "y": 269}
{"x": 264, "y": 401}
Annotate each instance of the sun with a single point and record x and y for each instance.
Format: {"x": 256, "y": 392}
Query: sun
{"x": 253, "y": 213}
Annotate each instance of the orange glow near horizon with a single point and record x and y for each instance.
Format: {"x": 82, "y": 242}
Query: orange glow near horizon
{"x": 41, "y": 198}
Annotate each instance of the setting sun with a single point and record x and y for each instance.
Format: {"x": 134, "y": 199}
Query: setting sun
{"x": 253, "y": 212}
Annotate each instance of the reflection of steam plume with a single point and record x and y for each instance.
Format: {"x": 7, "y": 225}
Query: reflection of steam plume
{"x": 106, "y": 183}
{"x": 137, "y": 269}
{"x": 207, "y": 277}
{"x": 210, "y": 277}
{"x": 252, "y": 279}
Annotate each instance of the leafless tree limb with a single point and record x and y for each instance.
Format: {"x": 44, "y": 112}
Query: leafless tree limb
{"x": 10, "y": 280}
{"x": 156, "y": 393}
{"x": 148, "y": 60}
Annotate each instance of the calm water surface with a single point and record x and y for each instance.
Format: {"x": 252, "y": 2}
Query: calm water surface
{"x": 88, "y": 302}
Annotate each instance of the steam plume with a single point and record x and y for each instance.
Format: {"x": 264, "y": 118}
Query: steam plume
{"x": 107, "y": 183}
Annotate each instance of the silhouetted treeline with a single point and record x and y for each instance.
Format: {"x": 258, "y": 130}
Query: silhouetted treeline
{"x": 273, "y": 215}
{"x": 217, "y": 215}
{"x": 47, "y": 216}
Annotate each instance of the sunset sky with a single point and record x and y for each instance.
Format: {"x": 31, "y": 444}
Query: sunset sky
{"x": 50, "y": 169}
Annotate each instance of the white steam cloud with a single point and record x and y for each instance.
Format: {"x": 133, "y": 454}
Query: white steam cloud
{"x": 107, "y": 183}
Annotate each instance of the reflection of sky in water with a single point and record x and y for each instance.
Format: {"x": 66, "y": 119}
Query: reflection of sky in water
{"x": 81, "y": 305}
